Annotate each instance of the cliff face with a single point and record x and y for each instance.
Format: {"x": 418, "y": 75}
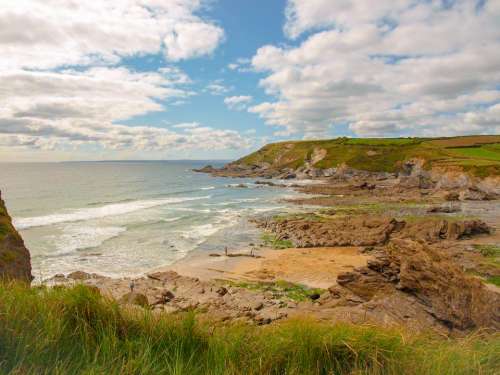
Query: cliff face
{"x": 475, "y": 155}
{"x": 14, "y": 257}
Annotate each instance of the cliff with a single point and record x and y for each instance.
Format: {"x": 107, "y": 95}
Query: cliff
{"x": 477, "y": 156}
{"x": 14, "y": 257}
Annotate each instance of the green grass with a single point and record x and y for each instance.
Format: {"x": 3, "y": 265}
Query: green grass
{"x": 495, "y": 280}
{"x": 281, "y": 289}
{"x": 4, "y": 230}
{"x": 75, "y": 331}
{"x": 479, "y": 155}
{"x": 489, "y": 152}
{"x": 491, "y": 254}
{"x": 5, "y": 223}
{"x": 272, "y": 241}
{"x": 488, "y": 250}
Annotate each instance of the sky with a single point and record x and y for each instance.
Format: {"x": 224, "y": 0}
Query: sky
{"x": 217, "y": 79}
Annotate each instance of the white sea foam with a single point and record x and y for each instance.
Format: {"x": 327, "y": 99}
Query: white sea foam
{"x": 171, "y": 219}
{"x": 83, "y": 214}
{"x": 267, "y": 209}
{"x": 208, "y": 188}
{"x": 201, "y": 231}
{"x": 243, "y": 200}
{"x": 85, "y": 237}
{"x": 301, "y": 182}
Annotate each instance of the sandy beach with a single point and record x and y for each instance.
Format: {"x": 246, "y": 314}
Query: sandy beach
{"x": 312, "y": 267}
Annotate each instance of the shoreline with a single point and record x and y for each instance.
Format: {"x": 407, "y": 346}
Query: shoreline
{"x": 365, "y": 251}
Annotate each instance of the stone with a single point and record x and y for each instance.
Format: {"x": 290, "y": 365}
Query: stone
{"x": 221, "y": 291}
{"x": 257, "y": 306}
{"x": 451, "y": 196}
{"x": 79, "y": 275}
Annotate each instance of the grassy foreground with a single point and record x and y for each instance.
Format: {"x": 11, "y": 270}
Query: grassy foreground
{"x": 76, "y": 331}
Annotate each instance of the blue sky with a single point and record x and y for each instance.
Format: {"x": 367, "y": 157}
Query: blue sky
{"x": 248, "y": 26}
{"x": 216, "y": 79}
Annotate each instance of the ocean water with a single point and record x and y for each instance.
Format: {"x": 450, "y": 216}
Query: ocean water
{"x": 125, "y": 218}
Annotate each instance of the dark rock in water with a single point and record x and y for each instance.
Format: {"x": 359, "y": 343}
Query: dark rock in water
{"x": 269, "y": 183}
{"x": 15, "y": 261}
{"x": 206, "y": 169}
{"x": 133, "y": 298}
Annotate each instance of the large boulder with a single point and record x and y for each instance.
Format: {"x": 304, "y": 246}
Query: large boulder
{"x": 409, "y": 269}
{"x": 14, "y": 257}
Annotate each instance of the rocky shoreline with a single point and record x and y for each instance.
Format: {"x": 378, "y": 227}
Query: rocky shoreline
{"x": 415, "y": 262}
{"x": 416, "y": 248}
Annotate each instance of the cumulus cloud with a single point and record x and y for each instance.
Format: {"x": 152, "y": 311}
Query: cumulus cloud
{"x": 192, "y": 39}
{"x": 51, "y": 33}
{"x": 72, "y": 108}
{"x": 385, "y": 68}
{"x": 238, "y": 103}
{"x": 62, "y": 86}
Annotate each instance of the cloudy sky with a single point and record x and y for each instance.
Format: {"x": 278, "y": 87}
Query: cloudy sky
{"x": 212, "y": 79}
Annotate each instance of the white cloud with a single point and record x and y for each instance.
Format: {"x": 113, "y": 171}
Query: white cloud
{"x": 217, "y": 88}
{"x": 50, "y": 33}
{"x": 192, "y": 39}
{"x": 188, "y": 125}
{"x": 69, "y": 109}
{"x": 62, "y": 86}
{"x": 238, "y": 103}
{"x": 241, "y": 65}
{"x": 385, "y": 68}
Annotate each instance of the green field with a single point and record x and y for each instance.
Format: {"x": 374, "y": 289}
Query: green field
{"x": 485, "y": 152}
{"x": 479, "y": 155}
{"x": 76, "y": 331}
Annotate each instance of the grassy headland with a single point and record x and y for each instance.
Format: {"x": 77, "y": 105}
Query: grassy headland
{"x": 479, "y": 155}
{"x": 76, "y": 331}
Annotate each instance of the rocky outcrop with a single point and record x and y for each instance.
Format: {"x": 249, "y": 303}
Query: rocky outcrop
{"x": 171, "y": 293}
{"x": 344, "y": 231}
{"x": 408, "y": 269}
{"x": 434, "y": 230}
{"x": 14, "y": 257}
{"x": 369, "y": 230}
{"x": 206, "y": 169}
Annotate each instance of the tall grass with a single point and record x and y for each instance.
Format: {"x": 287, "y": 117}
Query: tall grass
{"x": 76, "y": 331}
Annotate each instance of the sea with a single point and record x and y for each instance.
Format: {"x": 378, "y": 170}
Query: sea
{"x": 126, "y": 218}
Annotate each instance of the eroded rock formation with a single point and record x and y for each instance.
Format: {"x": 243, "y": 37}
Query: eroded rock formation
{"x": 409, "y": 270}
{"x": 14, "y": 257}
{"x": 364, "y": 230}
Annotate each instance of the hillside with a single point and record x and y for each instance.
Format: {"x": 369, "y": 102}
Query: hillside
{"x": 479, "y": 155}
{"x": 14, "y": 257}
